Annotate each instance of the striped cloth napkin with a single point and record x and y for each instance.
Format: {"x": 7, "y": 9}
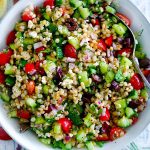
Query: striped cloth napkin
{"x": 143, "y": 141}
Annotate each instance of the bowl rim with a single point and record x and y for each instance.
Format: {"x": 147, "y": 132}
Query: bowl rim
{"x": 6, "y": 126}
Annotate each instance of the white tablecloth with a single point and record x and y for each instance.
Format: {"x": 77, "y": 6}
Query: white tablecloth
{"x": 140, "y": 143}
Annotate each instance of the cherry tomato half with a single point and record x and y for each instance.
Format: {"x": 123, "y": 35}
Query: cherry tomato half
{"x": 11, "y": 37}
{"x": 2, "y": 77}
{"x": 109, "y": 41}
{"x": 38, "y": 68}
{"x": 146, "y": 72}
{"x": 70, "y": 51}
{"x": 136, "y": 81}
{"x": 4, "y": 135}
{"x": 66, "y": 124}
{"x": 30, "y": 68}
{"x": 106, "y": 116}
{"x": 103, "y": 137}
{"x": 27, "y": 15}
{"x": 124, "y": 18}
{"x": 30, "y": 87}
{"x": 134, "y": 120}
{"x": 116, "y": 133}
{"x": 50, "y": 3}
{"x": 125, "y": 50}
{"x": 5, "y": 57}
{"x": 95, "y": 22}
{"x": 24, "y": 114}
{"x": 102, "y": 45}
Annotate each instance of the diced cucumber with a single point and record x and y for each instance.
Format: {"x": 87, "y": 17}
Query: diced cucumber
{"x": 10, "y": 81}
{"x": 133, "y": 94}
{"x": 125, "y": 62}
{"x": 58, "y": 2}
{"x": 49, "y": 67}
{"x": 57, "y": 128}
{"x": 19, "y": 35}
{"x": 63, "y": 30}
{"x": 46, "y": 16}
{"x": 5, "y": 97}
{"x": 110, "y": 10}
{"x": 129, "y": 112}
{"x": 45, "y": 141}
{"x": 83, "y": 77}
{"x": 90, "y": 145}
{"x": 120, "y": 28}
{"x": 59, "y": 53}
{"x": 91, "y": 1}
{"x": 84, "y": 12}
{"x": 144, "y": 93}
{"x": 30, "y": 102}
{"x": 109, "y": 77}
{"x": 13, "y": 46}
{"x": 40, "y": 120}
{"x": 74, "y": 41}
{"x": 75, "y": 3}
{"x": 100, "y": 143}
{"x": 119, "y": 76}
{"x": 124, "y": 122}
{"x": 140, "y": 55}
{"x": 13, "y": 114}
{"x": 103, "y": 67}
{"x": 88, "y": 120}
{"x": 45, "y": 89}
{"x": 81, "y": 136}
{"x": 121, "y": 104}
{"x": 9, "y": 70}
{"x": 68, "y": 146}
{"x": 28, "y": 41}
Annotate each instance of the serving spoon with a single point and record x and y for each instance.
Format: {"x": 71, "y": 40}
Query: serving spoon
{"x": 134, "y": 58}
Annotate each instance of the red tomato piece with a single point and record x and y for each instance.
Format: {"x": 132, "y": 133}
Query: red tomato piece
{"x": 66, "y": 124}
{"x": 95, "y": 22}
{"x": 125, "y": 50}
{"x": 109, "y": 41}
{"x": 27, "y": 15}
{"x": 2, "y": 77}
{"x": 4, "y": 135}
{"x": 11, "y": 37}
{"x": 70, "y": 51}
{"x": 38, "y": 50}
{"x": 116, "y": 133}
{"x": 5, "y": 57}
{"x": 146, "y": 72}
{"x": 103, "y": 137}
{"x": 136, "y": 82}
{"x": 106, "y": 116}
{"x": 134, "y": 120}
{"x": 50, "y": 3}
{"x": 38, "y": 68}
{"x": 24, "y": 114}
{"x": 102, "y": 45}
{"x": 30, "y": 87}
{"x": 30, "y": 68}
{"x": 124, "y": 18}
{"x": 37, "y": 11}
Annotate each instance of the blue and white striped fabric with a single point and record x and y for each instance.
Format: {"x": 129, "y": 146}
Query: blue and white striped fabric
{"x": 140, "y": 143}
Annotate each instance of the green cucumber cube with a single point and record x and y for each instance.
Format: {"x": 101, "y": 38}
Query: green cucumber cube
{"x": 109, "y": 76}
{"x": 88, "y": 120}
{"x": 90, "y": 145}
{"x": 103, "y": 67}
{"x": 129, "y": 112}
{"x": 84, "y": 12}
{"x": 74, "y": 41}
{"x": 121, "y": 104}
{"x": 124, "y": 122}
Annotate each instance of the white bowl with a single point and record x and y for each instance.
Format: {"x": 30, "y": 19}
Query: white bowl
{"x": 28, "y": 139}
